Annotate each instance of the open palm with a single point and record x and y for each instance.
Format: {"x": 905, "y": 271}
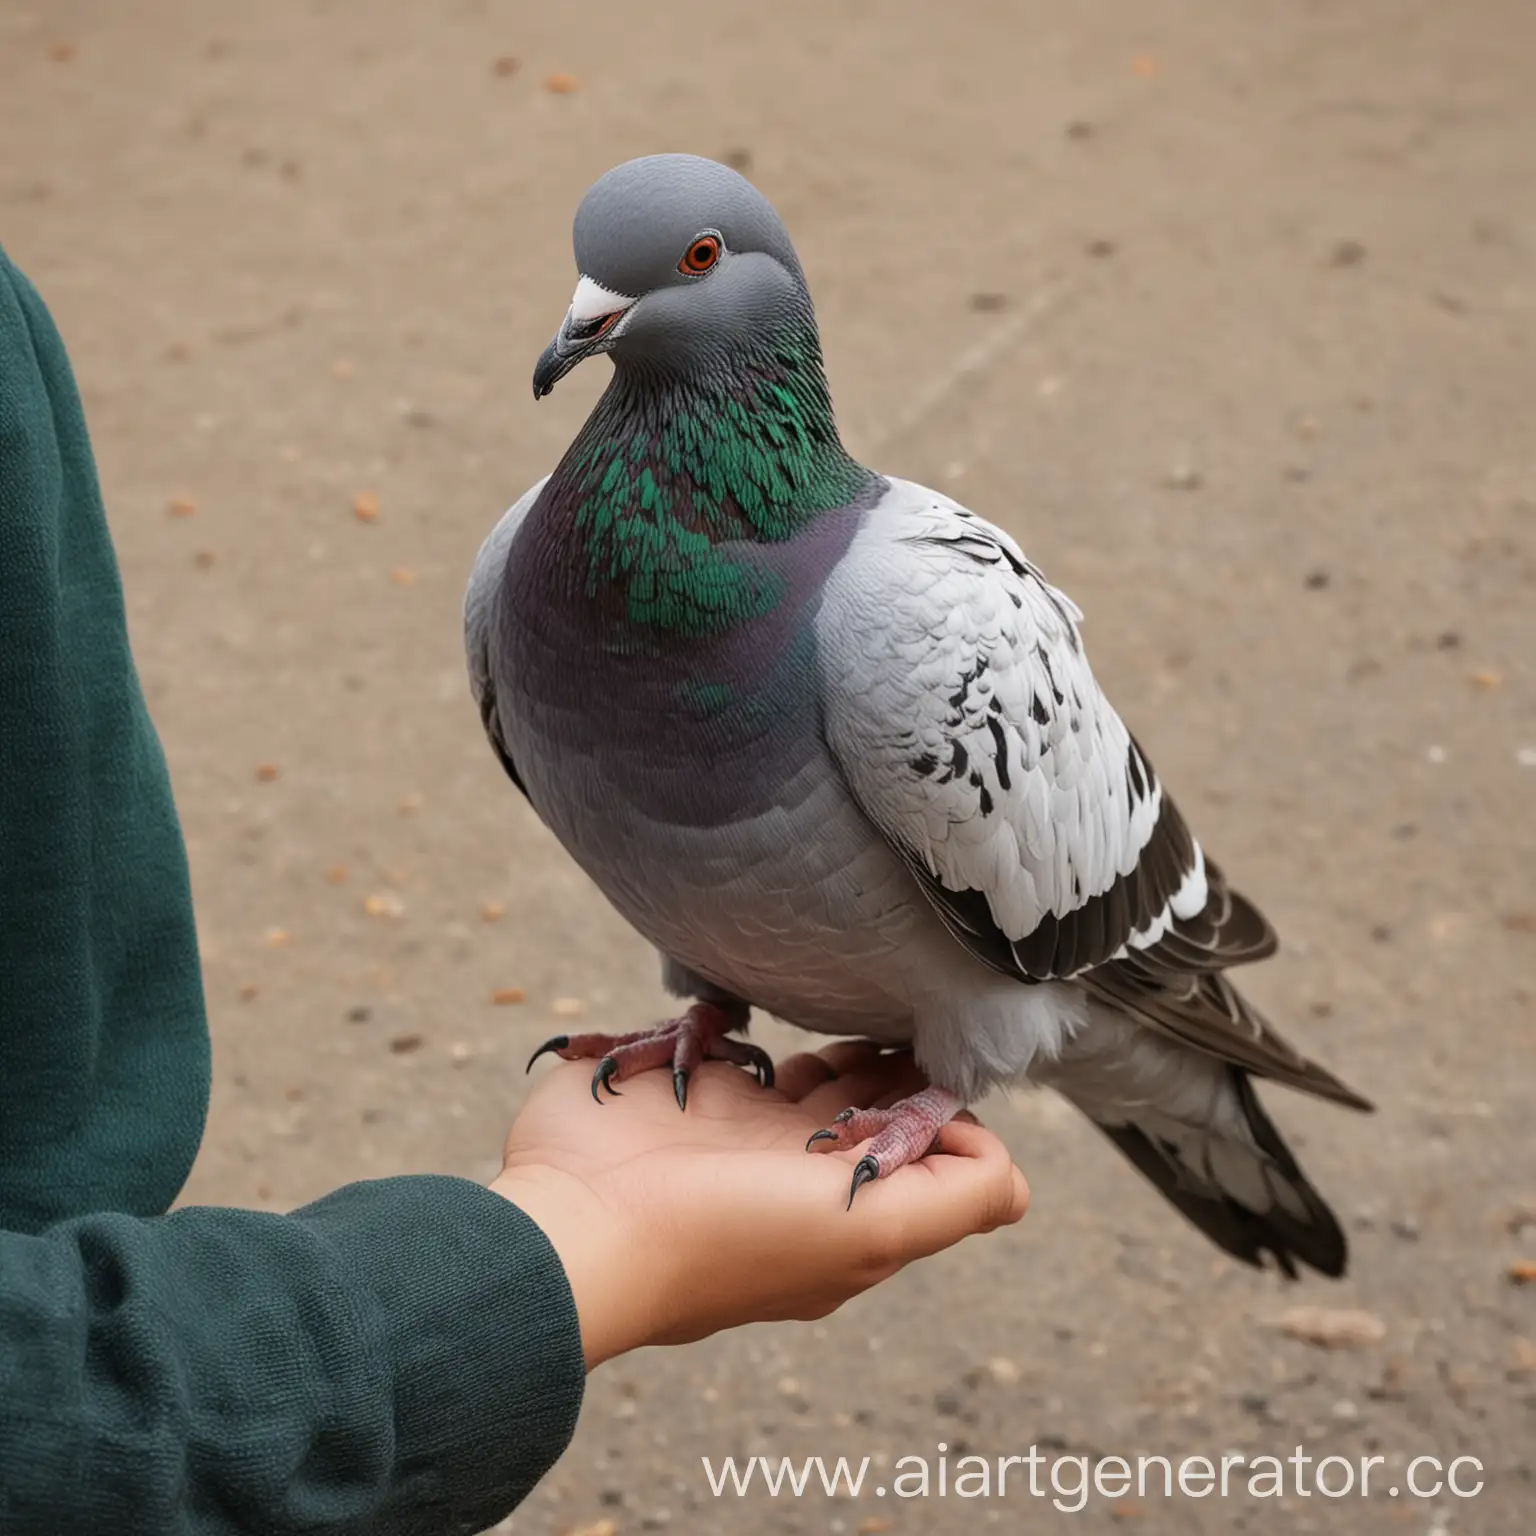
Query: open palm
{"x": 697, "y": 1220}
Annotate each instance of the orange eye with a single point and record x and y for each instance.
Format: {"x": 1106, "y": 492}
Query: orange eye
{"x": 700, "y": 256}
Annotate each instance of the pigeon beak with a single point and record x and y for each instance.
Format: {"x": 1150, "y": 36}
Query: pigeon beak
{"x": 594, "y": 313}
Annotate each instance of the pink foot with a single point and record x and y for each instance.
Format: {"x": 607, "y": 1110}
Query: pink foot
{"x": 699, "y": 1035}
{"x": 902, "y": 1134}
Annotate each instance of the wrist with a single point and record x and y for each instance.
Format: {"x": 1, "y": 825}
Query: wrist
{"x": 607, "y": 1265}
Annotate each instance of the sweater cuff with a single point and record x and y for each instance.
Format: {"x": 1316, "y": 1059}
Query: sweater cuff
{"x": 474, "y": 1315}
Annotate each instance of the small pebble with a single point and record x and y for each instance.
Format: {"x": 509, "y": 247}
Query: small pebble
{"x": 1333, "y": 1327}
{"x": 403, "y": 576}
{"x": 561, "y": 84}
{"x": 181, "y": 506}
{"x": 248, "y": 992}
{"x": 267, "y": 773}
{"x": 989, "y": 303}
{"x": 277, "y": 937}
{"x": 365, "y": 507}
{"x": 359, "y": 1014}
{"x": 1347, "y": 253}
{"x": 1003, "y": 1371}
{"x": 492, "y": 911}
{"x": 204, "y": 559}
{"x": 567, "y": 1007}
{"x": 506, "y": 65}
{"x": 409, "y": 804}
{"x": 506, "y": 997}
{"x": 403, "y": 1045}
{"x": 1485, "y": 679}
{"x": 336, "y": 874}
{"x": 383, "y": 904}
{"x": 1316, "y": 581}
{"x": 1518, "y": 1218}
{"x": 1100, "y": 249}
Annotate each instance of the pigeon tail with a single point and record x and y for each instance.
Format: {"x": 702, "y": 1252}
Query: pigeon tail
{"x": 1235, "y": 1179}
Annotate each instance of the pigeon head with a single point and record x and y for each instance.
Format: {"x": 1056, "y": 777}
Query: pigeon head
{"x": 683, "y": 265}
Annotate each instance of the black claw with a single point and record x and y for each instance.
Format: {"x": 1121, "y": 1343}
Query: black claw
{"x": 867, "y": 1171}
{"x": 843, "y": 1116}
{"x": 600, "y": 1079}
{"x": 680, "y": 1087}
{"x": 761, "y": 1064}
{"x": 555, "y": 1043}
{"x": 820, "y": 1136}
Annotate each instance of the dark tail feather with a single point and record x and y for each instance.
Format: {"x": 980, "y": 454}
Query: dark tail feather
{"x": 1248, "y": 1202}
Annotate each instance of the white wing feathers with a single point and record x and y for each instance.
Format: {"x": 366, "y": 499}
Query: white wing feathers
{"x": 964, "y": 714}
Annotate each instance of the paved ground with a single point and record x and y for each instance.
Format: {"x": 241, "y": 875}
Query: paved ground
{"x": 1226, "y": 311}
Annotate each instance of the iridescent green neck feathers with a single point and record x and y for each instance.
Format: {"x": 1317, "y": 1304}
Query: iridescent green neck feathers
{"x": 673, "y": 480}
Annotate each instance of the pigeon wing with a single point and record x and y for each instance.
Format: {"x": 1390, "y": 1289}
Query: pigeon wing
{"x": 961, "y": 709}
{"x": 482, "y": 602}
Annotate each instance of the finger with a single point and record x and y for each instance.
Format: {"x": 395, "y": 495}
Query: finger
{"x": 797, "y": 1075}
{"x": 966, "y": 1137}
{"x": 880, "y": 1081}
{"x": 849, "y": 1055}
{"x": 970, "y": 1186}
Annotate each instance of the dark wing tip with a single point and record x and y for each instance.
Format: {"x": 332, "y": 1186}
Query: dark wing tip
{"x": 1247, "y": 1235}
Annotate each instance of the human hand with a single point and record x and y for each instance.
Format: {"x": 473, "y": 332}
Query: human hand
{"x": 672, "y": 1226}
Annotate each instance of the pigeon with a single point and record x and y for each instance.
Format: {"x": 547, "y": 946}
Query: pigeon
{"x": 831, "y": 743}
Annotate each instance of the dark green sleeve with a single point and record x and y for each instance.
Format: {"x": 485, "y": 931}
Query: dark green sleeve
{"x": 103, "y": 1043}
{"x": 401, "y": 1357}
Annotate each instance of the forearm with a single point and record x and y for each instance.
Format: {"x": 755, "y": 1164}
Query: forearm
{"x": 400, "y": 1357}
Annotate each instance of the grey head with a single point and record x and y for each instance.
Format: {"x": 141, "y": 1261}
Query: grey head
{"x": 683, "y": 263}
